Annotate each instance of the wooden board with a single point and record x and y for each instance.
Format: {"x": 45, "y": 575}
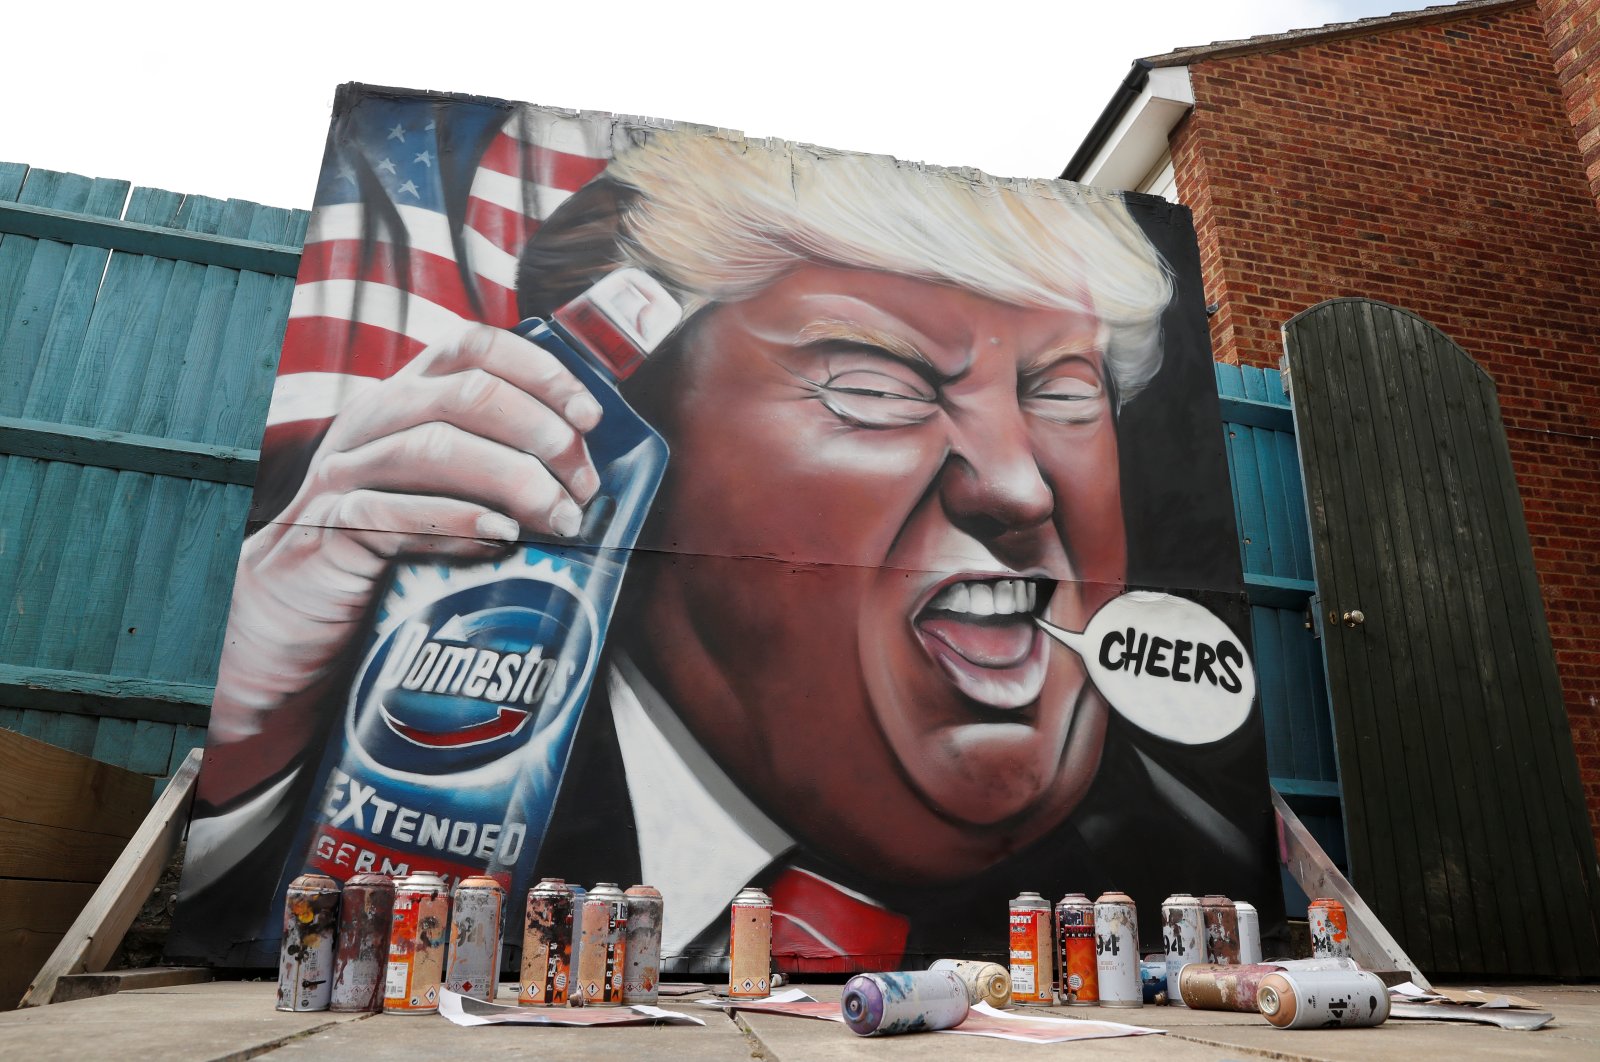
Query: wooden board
{"x": 98, "y": 930}
{"x": 34, "y": 915}
{"x": 1466, "y": 825}
{"x": 47, "y": 786}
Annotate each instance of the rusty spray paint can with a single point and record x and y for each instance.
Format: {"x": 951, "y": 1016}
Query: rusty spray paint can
{"x": 476, "y": 926}
{"x": 1249, "y": 931}
{"x": 366, "y": 911}
{"x": 1222, "y": 929}
{"x": 750, "y": 946}
{"x": 886, "y": 1004}
{"x": 1033, "y": 948}
{"x": 305, "y": 958}
{"x": 1075, "y": 952}
{"x": 603, "y": 918}
{"x": 418, "y": 937}
{"x": 1330, "y": 930}
{"x": 1183, "y": 929}
{"x": 1116, "y": 945}
{"x": 1323, "y": 999}
{"x": 1208, "y": 986}
{"x": 641, "y": 974}
{"x": 987, "y": 982}
{"x": 547, "y": 945}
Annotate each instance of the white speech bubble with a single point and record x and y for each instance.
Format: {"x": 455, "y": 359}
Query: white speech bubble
{"x": 1166, "y": 665}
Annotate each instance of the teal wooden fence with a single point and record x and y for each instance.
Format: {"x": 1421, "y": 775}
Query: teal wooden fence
{"x": 139, "y": 337}
{"x": 1275, "y": 546}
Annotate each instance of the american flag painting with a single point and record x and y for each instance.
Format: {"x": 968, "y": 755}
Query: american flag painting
{"x": 420, "y": 214}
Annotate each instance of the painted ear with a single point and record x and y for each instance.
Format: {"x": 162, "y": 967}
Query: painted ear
{"x": 576, "y": 246}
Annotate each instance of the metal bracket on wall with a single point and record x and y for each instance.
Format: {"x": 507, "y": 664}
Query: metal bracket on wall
{"x": 1314, "y": 616}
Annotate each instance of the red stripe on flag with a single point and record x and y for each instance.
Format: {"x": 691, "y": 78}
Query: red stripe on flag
{"x": 434, "y": 278}
{"x": 542, "y": 165}
{"x": 508, "y": 230}
{"x": 329, "y": 344}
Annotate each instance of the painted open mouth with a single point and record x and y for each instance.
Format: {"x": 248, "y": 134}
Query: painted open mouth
{"x": 981, "y": 632}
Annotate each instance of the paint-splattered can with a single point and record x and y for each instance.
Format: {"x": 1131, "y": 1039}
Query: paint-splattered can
{"x": 1222, "y": 929}
{"x": 476, "y": 912}
{"x": 750, "y": 946}
{"x": 305, "y": 959}
{"x": 1208, "y": 986}
{"x": 547, "y": 945}
{"x": 987, "y": 982}
{"x": 641, "y": 976}
{"x": 1330, "y": 931}
{"x": 1075, "y": 952}
{"x": 1033, "y": 948}
{"x": 1183, "y": 929}
{"x": 1116, "y": 945}
{"x": 603, "y": 918}
{"x": 418, "y": 937}
{"x": 366, "y": 911}
{"x": 1249, "y": 931}
{"x": 1323, "y": 999}
{"x": 886, "y": 1004}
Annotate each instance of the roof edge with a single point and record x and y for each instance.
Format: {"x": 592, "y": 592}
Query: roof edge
{"x": 1333, "y": 31}
{"x": 1132, "y": 84}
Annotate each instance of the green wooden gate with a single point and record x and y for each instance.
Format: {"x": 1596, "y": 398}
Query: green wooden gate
{"x": 139, "y": 337}
{"x": 1467, "y": 828}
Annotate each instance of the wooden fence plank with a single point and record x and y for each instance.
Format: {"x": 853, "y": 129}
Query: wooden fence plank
{"x": 29, "y": 850}
{"x": 48, "y": 786}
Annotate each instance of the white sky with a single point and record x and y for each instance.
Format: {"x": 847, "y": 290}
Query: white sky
{"x": 233, "y": 100}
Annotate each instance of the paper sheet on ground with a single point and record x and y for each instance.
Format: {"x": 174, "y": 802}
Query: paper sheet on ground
{"x": 982, "y": 1020}
{"x": 1443, "y": 1010}
{"x": 466, "y": 1010}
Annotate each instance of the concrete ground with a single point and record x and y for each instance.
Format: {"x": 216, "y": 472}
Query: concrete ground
{"x": 233, "y": 1020}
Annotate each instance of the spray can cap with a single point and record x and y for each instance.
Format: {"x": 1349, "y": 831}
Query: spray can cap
{"x": 622, "y": 318}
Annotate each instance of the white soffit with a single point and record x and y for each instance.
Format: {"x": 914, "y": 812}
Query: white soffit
{"x": 1140, "y": 139}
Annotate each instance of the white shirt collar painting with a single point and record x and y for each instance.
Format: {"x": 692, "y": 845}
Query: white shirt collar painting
{"x": 701, "y": 839}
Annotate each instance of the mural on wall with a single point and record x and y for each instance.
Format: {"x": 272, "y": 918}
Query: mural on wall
{"x": 644, "y": 503}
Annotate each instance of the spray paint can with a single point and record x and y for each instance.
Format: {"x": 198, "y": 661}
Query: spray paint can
{"x": 887, "y": 1004}
{"x": 418, "y": 938}
{"x": 1153, "y": 979}
{"x": 750, "y": 946}
{"x": 1033, "y": 949}
{"x": 305, "y": 959}
{"x": 1116, "y": 943}
{"x": 476, "y": 912}
{"x": 987, "y": 982}
{"x": 1330, "y": 930}
{"x": 1183, "y": 929}
{"x": 1249, "y": 931}
{"x": 604, "y": 921}
{"x": 1323, "y": 999}
{"x": 547, "y": 945}
{"x": 366, "y": 912}
{"x": 1075, "y": 952}
{"x": 641, "y": 976}
{"x": 1222, "y": 929}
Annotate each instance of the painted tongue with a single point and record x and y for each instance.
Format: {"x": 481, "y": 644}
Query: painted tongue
{"x": 989, "y": 643}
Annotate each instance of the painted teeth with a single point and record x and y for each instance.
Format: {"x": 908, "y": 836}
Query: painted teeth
{"x": 993, "y": 597}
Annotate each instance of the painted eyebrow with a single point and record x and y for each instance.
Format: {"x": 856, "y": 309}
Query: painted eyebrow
{"x": 834, "y": 331}
{"x": 1078, "y": 348}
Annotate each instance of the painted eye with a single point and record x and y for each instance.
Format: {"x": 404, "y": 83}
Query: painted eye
{"x": 870, "y": 398}
{"x": 1066, "y": 399}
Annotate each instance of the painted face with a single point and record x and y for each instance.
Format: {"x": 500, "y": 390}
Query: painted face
{"x": 876, "y": 482}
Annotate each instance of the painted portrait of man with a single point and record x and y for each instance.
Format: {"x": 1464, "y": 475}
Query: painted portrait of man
{"x": 909, "y": 412}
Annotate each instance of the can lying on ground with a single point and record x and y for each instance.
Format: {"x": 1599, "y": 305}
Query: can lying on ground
{"x": 366, "y": 911}
{"x": 987, "y": 982}
{"x": 1232, "y": 986}
{"x": 888, "y": 1004}
{"x": 305, "y": 959}
{"x": 1323, "y": 999}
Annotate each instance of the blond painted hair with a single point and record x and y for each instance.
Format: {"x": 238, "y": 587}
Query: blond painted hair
{"x": 718, "y": 218}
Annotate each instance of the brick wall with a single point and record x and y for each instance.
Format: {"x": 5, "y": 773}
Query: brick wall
{"x": 1433, "y": 167}
{"x": 1572, "y": 28}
